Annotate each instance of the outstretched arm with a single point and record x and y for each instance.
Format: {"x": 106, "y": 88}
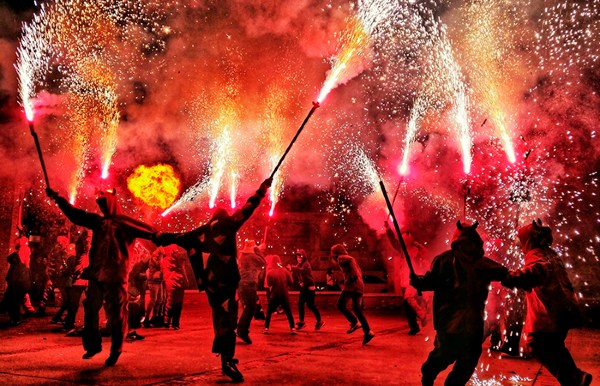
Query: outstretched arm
{"x": 75, "y": 215}
{"x": 531, "y": 275}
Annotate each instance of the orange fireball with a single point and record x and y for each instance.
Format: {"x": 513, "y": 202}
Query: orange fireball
{"x": 157, "y": 186}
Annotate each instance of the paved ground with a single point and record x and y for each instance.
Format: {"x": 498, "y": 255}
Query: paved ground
{"x": 32, "y": 354}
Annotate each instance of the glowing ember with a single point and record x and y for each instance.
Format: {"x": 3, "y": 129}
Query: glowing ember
{"x": 157, "y": 186}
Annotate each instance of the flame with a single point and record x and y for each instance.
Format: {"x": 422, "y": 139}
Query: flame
{"x": 157, "y": 186}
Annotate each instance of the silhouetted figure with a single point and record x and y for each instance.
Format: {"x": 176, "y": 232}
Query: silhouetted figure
{"x": 459, "y": 278}
{"x": 353, "y": 290}
{"x": 552, "y": 307}
{"x": 279, "y": 280}
{"x": 108, "y": 270}
{"x": 221, "y": 277}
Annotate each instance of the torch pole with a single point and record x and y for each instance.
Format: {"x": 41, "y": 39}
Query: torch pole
{"x": 39, "y": 151}
{"x": 395, "y": 195}
{"x": 397, "y": 228}
{"x": 310, "y": 113}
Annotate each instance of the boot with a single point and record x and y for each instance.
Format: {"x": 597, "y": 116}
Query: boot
{"x": 229, "y": 367}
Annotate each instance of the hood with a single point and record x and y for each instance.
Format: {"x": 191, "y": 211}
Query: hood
{"x": 535, "y": 235}
{"x": 338, "y": 249}
{"x": 273, "y": 261}
{"x": 249, "y": 246}
{"x": 467, "y": 243}
{"x": 107, "y": 202}
{"x": 301, "y": 253}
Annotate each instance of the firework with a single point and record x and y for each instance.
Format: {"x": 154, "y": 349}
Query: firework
{"x": 355, "y": 42}
{"x": 157, "y": 186}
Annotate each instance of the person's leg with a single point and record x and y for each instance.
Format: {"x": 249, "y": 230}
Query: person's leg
{"x": 358, "y": 311}
{"x": 411, "y": 317}
{"x": 224, "y": 324}
{"x": 153, "y": 287}
{"x": 467, "y": 357}
{"x": 92, "y": 341}
{"x": 29, "y": 310}
{"x": 310, "y": 304}
{"x": 177, "y": 307}
{"x": 74, "y": 296}
{"x": 438, "y": 359}
{"x": 46, "y": 295}
{"x": 271, "y": 307}
{"x": 116, "y": 309}
{"x": 342, "y": 306}
{"x": 248, "y": 299}
{"x": 555, "y": 357}
{"x": 12, "y": 301}
{"x": 285, "y": 304}
{"x": 301, "y": 303}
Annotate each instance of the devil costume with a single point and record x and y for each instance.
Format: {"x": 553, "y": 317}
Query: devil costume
{"x": 108, "y": 270}
{"x": 221, "y": 277}
{"x": 552, "y": 307}
{"x": 460, "y": 279}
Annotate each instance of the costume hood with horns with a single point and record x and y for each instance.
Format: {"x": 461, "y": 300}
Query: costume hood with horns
{"x": 112, "y": 234}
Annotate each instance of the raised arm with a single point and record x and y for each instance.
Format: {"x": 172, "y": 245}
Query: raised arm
{"x": 75, "y": 215}
{"x": 244, "y": 213}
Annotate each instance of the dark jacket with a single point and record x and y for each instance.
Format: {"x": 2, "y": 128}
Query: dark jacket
{"x": 18, "y": 276}
{"x": 112, "y": 234}
{"x": 305, "y": 275}
{"x": 218, "y": 238}
{"x": 279, "y": 280}
{"x": 353, "y": 281}
{"x": 460, "y": 291}
{"x": 251, "y": 265}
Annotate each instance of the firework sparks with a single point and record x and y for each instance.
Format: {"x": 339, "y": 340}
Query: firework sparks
{"x": 353, "y": 53}
{"x": 274, "y": 129}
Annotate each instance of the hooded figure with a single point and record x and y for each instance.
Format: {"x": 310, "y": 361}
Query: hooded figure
{"x": 279, "y": 280}
{"x": 251, "y": 265}
{"x": 221, "y": 277}
{"x": 108, "y": 270}
{"x": 552, "y": 307}
{"x": 415, "y": 306}
{"x": 352, "y": 291}
{"x": 459, "y": 278}
{"x": 18, "y": 282}
{"x": 303, "y": 271}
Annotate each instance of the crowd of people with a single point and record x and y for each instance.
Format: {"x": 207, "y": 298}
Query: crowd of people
{"x": 98, "y": 263}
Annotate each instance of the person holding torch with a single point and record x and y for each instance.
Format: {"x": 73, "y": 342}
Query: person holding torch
{"x": 221, "y": 276}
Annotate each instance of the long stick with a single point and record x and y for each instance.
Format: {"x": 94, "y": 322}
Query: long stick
{"x": 397, "y": 227}
{"x": 395, "y": 195}
{"x": 310, "y": 113}
{"x": 39, "y": 151}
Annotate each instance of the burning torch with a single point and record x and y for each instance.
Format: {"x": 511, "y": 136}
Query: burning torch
{"x": 39, "y": 150}
{"x": 397, "y": 228}
{"x": 316, "y": 105}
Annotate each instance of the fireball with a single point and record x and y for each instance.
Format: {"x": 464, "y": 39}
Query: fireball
{"x": 157, "y": 186}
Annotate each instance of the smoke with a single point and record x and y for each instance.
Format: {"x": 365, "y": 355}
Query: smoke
{"x": 178, "y": 70}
